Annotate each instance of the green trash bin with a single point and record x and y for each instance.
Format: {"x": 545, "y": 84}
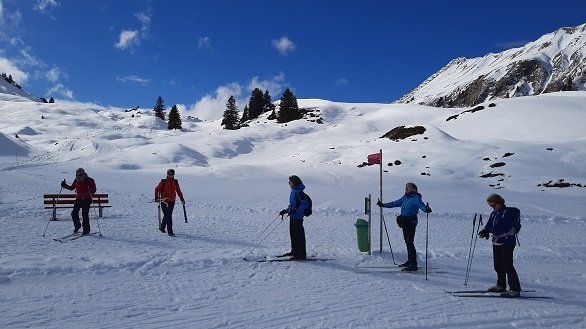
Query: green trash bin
{"x": 362, "y": 234}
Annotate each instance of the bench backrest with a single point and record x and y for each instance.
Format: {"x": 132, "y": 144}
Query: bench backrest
{"x": 52, "y": 199}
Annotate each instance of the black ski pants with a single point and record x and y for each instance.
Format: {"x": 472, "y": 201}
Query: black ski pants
{"x": 409, "y": 237}
{"x": 297, "y": 233}
{"x": 167, "y": 222}
{"x": 503, "y": 265}
{"x": 84, "y": 206}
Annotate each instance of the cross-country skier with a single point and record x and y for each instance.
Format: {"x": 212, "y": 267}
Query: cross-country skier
{"x": 410, "y": 204}
{"x": 84, "y": 187}
{"x": 165, "y": 194}
{"x": 296, "y": 211}
{"x": 500, "y": 224}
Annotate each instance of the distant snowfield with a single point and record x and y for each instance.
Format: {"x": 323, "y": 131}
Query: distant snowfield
{"x": 235, "y": 183}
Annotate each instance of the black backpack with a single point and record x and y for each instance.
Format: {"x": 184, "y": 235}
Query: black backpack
{"x": 303, "y": 196}
{"x": 517, "y": 218}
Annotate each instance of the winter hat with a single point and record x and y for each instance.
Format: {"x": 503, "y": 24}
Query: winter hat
{"x": 170, "y": 172}
{"x": 495, "y": 198}
{"x": 412, "y": 186}
{"x": 295, "y": 180}
{"x": 80, "y": 174}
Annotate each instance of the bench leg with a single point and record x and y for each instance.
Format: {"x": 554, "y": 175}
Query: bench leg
{"x": 100, "y": 211}
{"x": 54, "y": 213}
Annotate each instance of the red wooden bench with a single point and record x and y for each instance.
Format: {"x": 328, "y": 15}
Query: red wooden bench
{"x": 55, "y": 201}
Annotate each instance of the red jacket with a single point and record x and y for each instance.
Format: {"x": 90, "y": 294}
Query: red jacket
{"x": 84, "y": 190}
{"x": 171, "y": 188}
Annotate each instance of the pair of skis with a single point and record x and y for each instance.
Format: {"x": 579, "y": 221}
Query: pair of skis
{"x": 491, "y": 294}
{"x": 72, "y": 236}
{"x": 285, "y": 258}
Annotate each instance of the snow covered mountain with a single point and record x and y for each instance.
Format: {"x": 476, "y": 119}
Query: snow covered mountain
{"x": 235, "y": 183}
{"x": 11, "y": 89}
{"x": 554, "y": 62}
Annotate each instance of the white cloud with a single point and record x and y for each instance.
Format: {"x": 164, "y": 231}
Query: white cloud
{"x": 1, "y": 14}
{"x": 127, "y": 39}
{"x": 53, "y": 74}
{"x": 204, "y": 43}
{"x": 134, "y": 79}
{"x": 284, "y": 45}
{"x": 211, "y": 107}
{"x": 45, "y": 5}
{"x": 144, "y": 19}
{"x": 28, "y": 59}
{"x": 8, "y": 67}
{"x": 342, "y": 82}
{"x": 61, "y": 90}
{"x": 274, "y": 85}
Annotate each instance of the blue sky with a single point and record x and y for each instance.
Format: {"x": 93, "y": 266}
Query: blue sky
{"x": 196, "y": 53}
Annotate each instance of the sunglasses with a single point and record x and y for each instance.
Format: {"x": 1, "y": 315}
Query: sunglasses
{"x": 492, "y": 205}
{"x": 78, "y": 175}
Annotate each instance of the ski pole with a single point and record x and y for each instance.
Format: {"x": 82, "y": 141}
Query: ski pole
{"x": 159, "y": 208}
{"x": 95, "y": 214}
{"x": 426, "y": 238}
{"x": 52, "y": 216}
{"x": 470, "y": 249}
{"x": 268, "y": 234}
{"x": 258, "y": 236}
{"x": 389, "y": 239}
{"x": 184, "y": 213}
{"x": 474, "y": 247}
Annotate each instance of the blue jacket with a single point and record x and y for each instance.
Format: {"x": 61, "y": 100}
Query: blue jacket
{"x": 500, "y": 224}
{"x": 296, "y": 205}
{"x": 410, "y": 204}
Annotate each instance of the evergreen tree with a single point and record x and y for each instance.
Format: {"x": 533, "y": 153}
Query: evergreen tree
{"x": 160, "y": 109}
{"x": 256, "y": 104}
{"x": 174, "y": 118}
{"x": 288, "y": 108}
{"x": 269, "y": 106}
{"x": 230, "y": 119}
{"x": 245, "y": 116}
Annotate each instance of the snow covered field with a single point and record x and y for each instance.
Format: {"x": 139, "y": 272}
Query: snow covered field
{"x": 235, "y": 183}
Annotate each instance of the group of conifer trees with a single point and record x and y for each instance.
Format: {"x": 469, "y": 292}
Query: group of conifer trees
{"x": 258, "y": 104}
{"x": 174, "y": 121}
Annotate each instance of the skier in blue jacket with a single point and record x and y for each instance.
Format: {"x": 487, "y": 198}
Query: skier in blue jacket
{"x": 410, "y": 204}
{"x": 296, "y": 210}
{"x": 501, "y": 225}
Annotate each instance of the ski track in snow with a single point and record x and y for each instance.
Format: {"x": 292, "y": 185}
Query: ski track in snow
{"x": 134, "y": 276}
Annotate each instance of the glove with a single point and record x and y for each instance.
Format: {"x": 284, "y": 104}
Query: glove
{"x": 283, "y": 212}
{"x": 63, "y": 184}
{"x": 378, "y": 203}
{"x": 484, "y": 233}
{"x": 427, "y": 209}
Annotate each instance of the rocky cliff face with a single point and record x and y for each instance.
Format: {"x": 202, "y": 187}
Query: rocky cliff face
{"x": 554, "y": 62}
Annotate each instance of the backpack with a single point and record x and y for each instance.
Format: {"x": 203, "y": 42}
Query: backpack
{"x": 516, "y": 220}
{"x": 303, "y": 196}
{"x": 164, "y": 180}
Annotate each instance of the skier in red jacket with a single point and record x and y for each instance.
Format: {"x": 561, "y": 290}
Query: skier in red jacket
{"x": 84, "y": 187}
{"x": 165, "y": 194}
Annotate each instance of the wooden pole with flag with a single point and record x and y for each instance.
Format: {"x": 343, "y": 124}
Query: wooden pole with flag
{"x": 377, "y": 158}
{"x": 380, "y": 161}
